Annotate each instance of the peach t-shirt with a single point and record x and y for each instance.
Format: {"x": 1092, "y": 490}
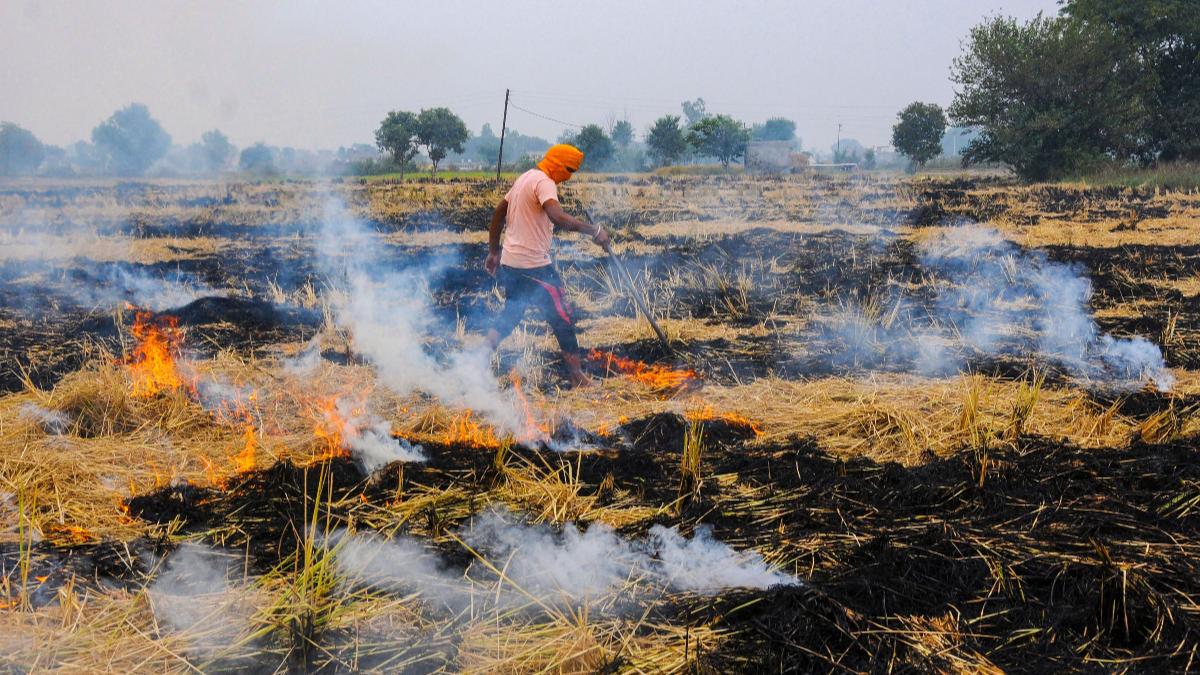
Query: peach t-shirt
{"x": 528, "y": 229}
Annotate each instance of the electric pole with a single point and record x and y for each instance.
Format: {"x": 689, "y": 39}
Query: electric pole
{"x": 837, "y": 154}
{"x": 503, "y": 124}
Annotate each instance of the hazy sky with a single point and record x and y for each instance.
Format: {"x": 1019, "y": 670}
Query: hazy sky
{"x": 323, "y": 74}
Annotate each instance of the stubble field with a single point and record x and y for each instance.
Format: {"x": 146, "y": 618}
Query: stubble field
{"x": 902, "y": 425}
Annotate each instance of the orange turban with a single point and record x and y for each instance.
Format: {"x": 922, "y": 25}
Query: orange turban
{"x": 561, "y": 161}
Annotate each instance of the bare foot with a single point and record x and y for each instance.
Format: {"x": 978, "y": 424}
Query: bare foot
{"x": 575, "y": 371}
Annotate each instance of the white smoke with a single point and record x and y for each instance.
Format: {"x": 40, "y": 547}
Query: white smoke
{"x": 705, "y": 565}
{"x": 554, "y": 566}
{"x": 401, "y": 565}
{"x": 549, "y": 563}
{"x": 993, "y": 298}
{"x": 193, "y": 596}
{"x": 370, "y": 438}
{"x": 306, "y": 362}
{"x": 222, "y": 399}
{"x": 375, "y": 447}
{"x": 68, "y": 260}
{"x": 597, "y": 560}
{"x": 50, "y": 421}
{"x": 119, "y": 284}
{"x": 388, "y": 313}
{"x": 994, "y": 290}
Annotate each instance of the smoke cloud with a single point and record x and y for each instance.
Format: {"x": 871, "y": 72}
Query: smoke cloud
{"x": 194, "y": 597}
{"x": 389, "y": 314}
{"x": 50, "y": 421}
{"x": 993, "y": 298}
{"x": 68, "y": 260}
{"x": 993, "y": 289}
{"x": 119, "y": 284}
{"x": 370, "y": 438}
{"x": 555, "y": 566}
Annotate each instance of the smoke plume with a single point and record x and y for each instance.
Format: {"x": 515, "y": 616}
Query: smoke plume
{"x": 51, "y": 421}
{"x": 992, "y": 289}
{"x": 370, "y": 438}
{"x": 992, "y": 298}
{"x": 194, "y": 598}
{"x": 389, "y": 314}
{"x": 555, "y": 566}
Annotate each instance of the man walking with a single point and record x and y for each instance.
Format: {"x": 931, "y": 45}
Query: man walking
{"x": 527, "y": 216}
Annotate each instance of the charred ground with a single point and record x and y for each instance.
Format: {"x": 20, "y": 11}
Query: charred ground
{"x": 1004, "y": 544}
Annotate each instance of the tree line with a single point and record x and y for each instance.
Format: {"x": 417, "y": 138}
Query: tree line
{"x": 130, "y": 142}
{"x": 1102, "y": 83}
{"x": 670, "y": 139}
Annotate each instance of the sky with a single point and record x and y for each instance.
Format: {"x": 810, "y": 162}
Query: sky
{"x": 324, "y": 74}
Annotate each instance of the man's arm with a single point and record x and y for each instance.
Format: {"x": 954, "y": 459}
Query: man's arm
{"x": 492, "y": 263}
{"x": 567, "y": 222}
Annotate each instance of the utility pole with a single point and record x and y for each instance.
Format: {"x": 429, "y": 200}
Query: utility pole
{"x": 503, "y": 124}
{"x": 838, "y": 152}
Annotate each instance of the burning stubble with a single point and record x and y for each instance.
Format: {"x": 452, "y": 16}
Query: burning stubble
{"x": 992, "y": 299}
{"x": 194, "y": 597}
{"x": 388, "y": 314}
{"x": 76, "y": 265}
{"x": 519, "y": 564}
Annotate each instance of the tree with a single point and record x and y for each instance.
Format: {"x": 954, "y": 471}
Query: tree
{"x": 216, "y": 150}
{"x": 775, "y": 129}
{"x": 486, "y": 145}
{"x": 440, "y": 131}
{"x": 693, "y": 111}
{"x": 622, "y": 133}
{"x": 918, "y": 133}
{"x": 20, "y": 151}
{"x": 666, "y": 140}
{"x": 130, "y": 141}
{"x": 597, "y": 147}
{"x": 488, "y": 150}
{"x": 397, "y": 136}
{"x": 1051, "y": 96}
{"x": 847, "y": 150}
{"x": 868, "y": 160}
{"x": 85, "y": 156}
{"x": 719, "y": 136}
{"x": 518, "y": 145}
{"x": 1165, "y": 37}
{"x": 258, "y": 159}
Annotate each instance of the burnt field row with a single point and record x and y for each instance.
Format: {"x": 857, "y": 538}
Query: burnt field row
{"x": 899, "y": 426}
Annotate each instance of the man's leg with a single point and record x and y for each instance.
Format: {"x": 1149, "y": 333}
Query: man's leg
{"x": 557, "y": 312}
{"x": 517, "y": 295}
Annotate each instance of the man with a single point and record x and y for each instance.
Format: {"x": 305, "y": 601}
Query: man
{"x": 528, "y": 214}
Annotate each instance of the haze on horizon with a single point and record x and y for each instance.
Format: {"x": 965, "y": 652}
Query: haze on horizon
{"x": 323, "y": 75}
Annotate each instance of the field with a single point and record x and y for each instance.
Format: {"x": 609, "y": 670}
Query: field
{"x": 926, "y": 424}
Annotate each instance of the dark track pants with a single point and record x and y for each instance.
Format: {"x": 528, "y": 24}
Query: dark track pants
{"x": 540, "y": 286}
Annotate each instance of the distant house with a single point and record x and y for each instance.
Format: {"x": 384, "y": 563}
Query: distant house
{"x": 774, "y": 157}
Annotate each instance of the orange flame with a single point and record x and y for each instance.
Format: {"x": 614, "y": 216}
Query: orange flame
{"x": 533, "y": 431}
{"x": 707, "y": 413}
{"x": 658, "y": 378}
{"x": 71, "y": 534}
{"x": 152, "y": 364}
{"x": 244, "y": 461}
{"x": 464, "y": 430}
{"x": 335, "y": 426}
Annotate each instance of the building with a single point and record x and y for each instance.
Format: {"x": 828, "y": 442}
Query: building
{"x": 774, "y": 157}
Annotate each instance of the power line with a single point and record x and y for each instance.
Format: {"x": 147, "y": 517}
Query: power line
{"x": 567, "y": 98}
{"x": 549, "y": 119}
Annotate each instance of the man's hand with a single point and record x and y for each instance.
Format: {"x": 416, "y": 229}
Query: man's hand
{"x": 492, "y": 262}
{"x": 601, "y": 238}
